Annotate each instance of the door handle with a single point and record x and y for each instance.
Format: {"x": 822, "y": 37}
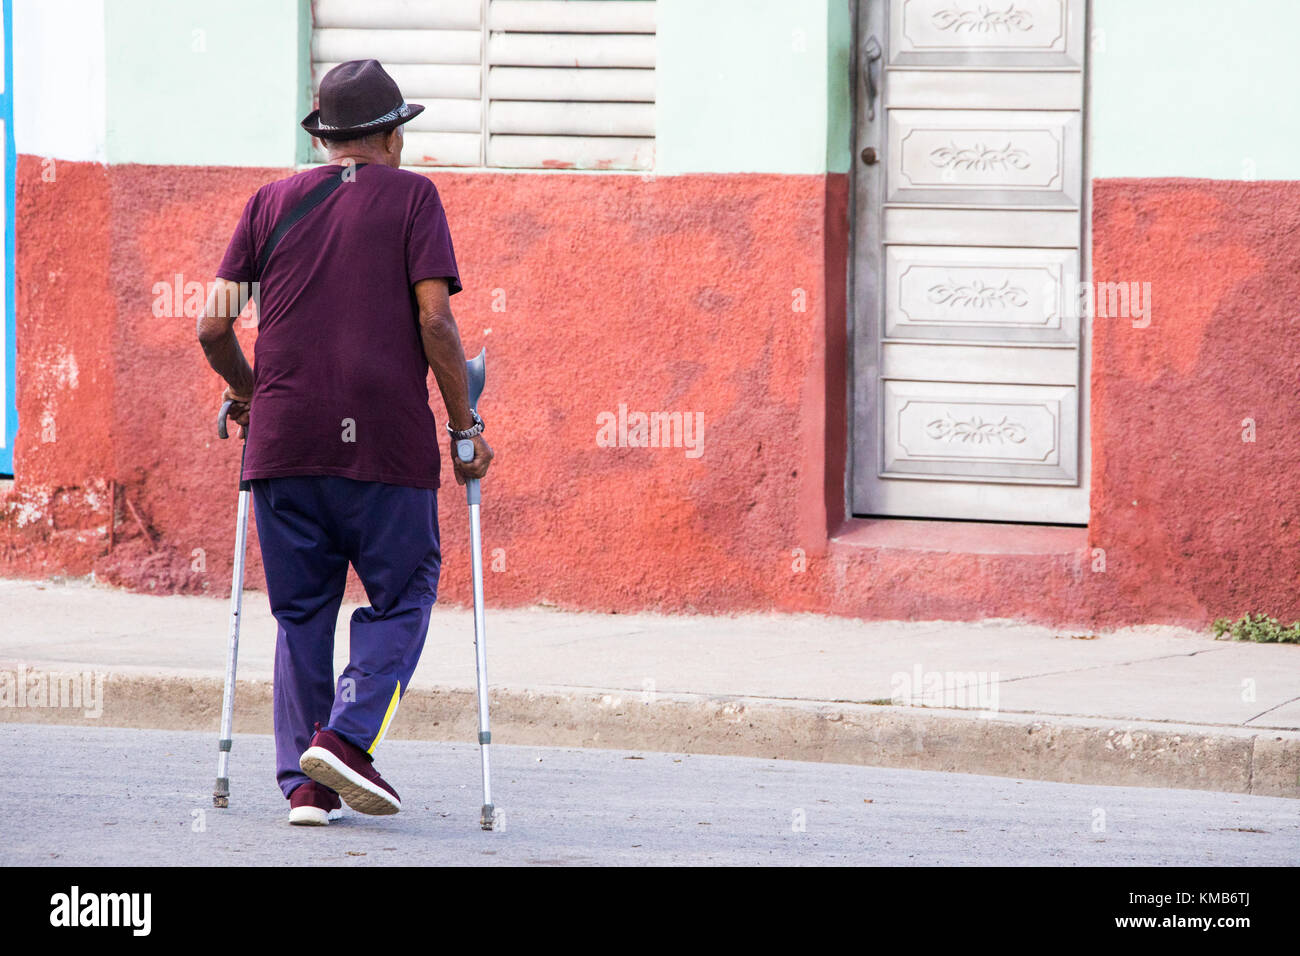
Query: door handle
{"x": 871, "y": 52}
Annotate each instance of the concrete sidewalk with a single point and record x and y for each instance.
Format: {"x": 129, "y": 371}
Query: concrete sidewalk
{"x": 1151, "y": 706}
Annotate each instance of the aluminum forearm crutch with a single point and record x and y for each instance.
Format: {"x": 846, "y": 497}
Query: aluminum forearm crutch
{"x": 221, "y": 792}
{"x": 476, "y": 373}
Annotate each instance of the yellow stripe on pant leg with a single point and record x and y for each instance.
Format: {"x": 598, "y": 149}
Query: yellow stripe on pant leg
{"x": 388, "y": 716}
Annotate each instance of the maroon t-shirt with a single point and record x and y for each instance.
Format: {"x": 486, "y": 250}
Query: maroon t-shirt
{"x": 339, "y": 373}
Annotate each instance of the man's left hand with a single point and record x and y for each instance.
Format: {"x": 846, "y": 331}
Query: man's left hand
{"x": 477, "y": 466}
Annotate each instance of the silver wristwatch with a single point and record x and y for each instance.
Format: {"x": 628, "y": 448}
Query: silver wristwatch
{"x": 470, "y": 432}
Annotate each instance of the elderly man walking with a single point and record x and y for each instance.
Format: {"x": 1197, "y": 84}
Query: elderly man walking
{"x": 354, "y": 269}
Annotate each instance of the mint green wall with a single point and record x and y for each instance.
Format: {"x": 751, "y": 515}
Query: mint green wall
{"x": 752, "y": 86}
{"x": 839, "y": 66}
{"x": 1179, "y": 87}
{"x": 743, "y": 85}
{"x": 229, "y": 94}
{"x": 1196, "y": 88}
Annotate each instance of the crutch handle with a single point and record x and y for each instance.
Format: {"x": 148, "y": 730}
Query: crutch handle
{"x": 223, "y": 433}
{"x": 465, "y": 452}
{"x": 221, "y": 418}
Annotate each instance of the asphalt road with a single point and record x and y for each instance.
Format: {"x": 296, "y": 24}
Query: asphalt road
{"x": 110, "y": 796}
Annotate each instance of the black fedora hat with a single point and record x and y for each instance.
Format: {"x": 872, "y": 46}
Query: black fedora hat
{"x": 358, "y": 98}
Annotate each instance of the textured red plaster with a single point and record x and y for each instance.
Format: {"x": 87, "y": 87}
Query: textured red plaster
{"x": 1195, "y": 522}
{"x": 53, "y": 518}
{"x": 675, "y": 294}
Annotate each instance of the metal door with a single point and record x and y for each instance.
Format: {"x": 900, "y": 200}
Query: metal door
{"x": 969, "y": 397}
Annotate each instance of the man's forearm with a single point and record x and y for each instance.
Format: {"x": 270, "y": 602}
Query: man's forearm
{"x": 227, "y": 360}
{"x": 446, "y": 356}
{"x": 216, "y": 332}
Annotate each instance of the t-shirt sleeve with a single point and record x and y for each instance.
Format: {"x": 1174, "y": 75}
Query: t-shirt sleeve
{"x": 429, "y": 253}
{"x": 238, "y": 262}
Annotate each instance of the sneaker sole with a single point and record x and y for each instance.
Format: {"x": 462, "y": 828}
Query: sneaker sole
{"x": 312, "y": 816}
{"x": 357, "y": 792}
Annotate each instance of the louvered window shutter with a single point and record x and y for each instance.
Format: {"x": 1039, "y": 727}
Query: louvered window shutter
{"x": 571, "y": 83}
{"x": 556, "y": 83}
{"x": 433, "y": 49}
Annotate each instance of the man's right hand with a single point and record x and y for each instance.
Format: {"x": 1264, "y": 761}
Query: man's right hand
{"x": 477, "y": 466}
{"x": 239, "y": 409}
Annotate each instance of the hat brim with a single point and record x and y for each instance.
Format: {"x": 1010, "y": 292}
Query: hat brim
{"x": 312, "y": 125}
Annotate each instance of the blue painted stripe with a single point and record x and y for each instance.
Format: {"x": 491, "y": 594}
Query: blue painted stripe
{"x": 10, "y": 410}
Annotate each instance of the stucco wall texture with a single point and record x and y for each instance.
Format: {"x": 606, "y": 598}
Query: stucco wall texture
{"x": 675, "y": 294}
{"x": 1197, "y": 520}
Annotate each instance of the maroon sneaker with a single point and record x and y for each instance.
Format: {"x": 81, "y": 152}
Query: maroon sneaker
{"x": 311, "y": 805}
{"x": 348, "y": 771}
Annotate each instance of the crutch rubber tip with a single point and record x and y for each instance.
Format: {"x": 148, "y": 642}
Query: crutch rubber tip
{"x": 221, "y": 793}
{"x": 488, "y": 819}
{"x": 221, "y": 803}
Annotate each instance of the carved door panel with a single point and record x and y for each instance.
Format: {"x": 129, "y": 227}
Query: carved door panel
{"x": 969, "y": 350}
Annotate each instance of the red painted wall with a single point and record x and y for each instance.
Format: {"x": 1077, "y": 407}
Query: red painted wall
{"x": 1198, "y": 523}
{"x": 675, "y": 294}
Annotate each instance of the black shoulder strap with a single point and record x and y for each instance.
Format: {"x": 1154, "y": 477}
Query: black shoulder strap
{"x": 305, "y": 205}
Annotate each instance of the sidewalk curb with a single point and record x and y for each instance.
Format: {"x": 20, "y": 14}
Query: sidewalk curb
{"x": 1032, "y": 747}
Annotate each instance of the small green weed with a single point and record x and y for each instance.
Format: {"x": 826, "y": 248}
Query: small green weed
{"x": 1259, "y": 628}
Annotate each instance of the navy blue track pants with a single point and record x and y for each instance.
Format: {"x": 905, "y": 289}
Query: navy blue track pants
{"x": 311, "y": 529}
